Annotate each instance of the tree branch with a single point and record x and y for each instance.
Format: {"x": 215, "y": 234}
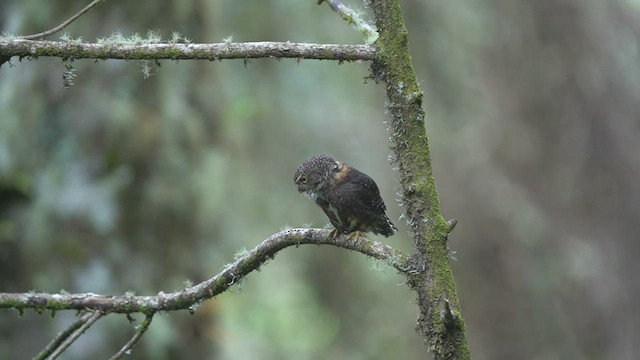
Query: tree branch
{"x": 192, "y": 296}
{"x": 353, "y": 18}
{"x": 169, "y": 51}
{"x": 64, "y": 24}
{"x": 63, "y": 335}
{"x": 76, "y": 334}
{"x": 129, "y": 345}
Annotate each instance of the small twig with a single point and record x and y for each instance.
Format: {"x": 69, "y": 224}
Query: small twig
{"x": 76, "y": 334}
{"x": 354, "y": 19}
{"x": 64, "y": 24}
{"x": 126, "y": 349}
{"x": 452, "y": 224}
{"x": 62, "y": 335}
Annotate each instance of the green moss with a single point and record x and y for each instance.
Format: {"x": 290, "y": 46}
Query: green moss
{"x": 174, "y": 54}
{"x": 411, "y": 152}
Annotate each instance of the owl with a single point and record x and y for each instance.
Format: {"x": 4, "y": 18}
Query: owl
{"x": 349, "y": 198}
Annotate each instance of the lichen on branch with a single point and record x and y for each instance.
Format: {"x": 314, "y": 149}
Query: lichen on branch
{"x": 180, "y": 51}
{"x": 190, "y": 297}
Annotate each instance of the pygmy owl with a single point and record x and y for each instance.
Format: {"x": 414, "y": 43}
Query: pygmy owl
{"x": 348, "y": 197}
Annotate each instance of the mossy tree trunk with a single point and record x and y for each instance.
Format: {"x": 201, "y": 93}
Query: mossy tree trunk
{"x": 440, "y": 318}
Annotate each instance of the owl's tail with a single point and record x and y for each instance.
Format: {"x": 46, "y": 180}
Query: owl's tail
{"x": 387, "y": 229}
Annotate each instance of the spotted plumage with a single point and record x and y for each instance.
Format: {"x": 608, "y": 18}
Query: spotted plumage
{"x": 349, "y": 198}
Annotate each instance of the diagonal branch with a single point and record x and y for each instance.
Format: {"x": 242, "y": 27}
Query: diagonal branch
{"x": 75, "y": 335}
{"x": 129, "y": 345}
{"x": 179, "y": 51}
{"x": 354, "y": 19}
{"x": 63, "y": 335}
{"x": 64, "y": 24}
{"x": 194, "y": 295}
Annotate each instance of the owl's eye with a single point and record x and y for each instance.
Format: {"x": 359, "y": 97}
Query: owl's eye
{"x": 303, "y": 180}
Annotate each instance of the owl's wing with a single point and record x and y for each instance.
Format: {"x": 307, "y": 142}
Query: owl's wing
{"x": 354, "y": 204}
{"x": 367, "y": 190}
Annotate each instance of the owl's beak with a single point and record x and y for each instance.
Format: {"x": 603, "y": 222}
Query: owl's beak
{"x": 300, "y": 188}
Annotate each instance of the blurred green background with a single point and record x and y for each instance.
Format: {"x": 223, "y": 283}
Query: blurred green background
{"x": 129, "y": 184}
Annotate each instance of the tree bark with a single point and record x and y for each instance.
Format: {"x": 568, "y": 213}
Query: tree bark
{"x": 440, "y": 319}
{"x": 175, "y": 51}
{"x": 191, "y": 297}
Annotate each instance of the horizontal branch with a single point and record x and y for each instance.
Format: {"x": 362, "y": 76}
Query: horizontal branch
{"x": 192, "y": 296}
{"x": 180, "y": 51}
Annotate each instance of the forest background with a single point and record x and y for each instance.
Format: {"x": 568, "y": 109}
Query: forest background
{"x": 122, "y": 183}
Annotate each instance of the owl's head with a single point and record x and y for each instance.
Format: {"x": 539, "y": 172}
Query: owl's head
{"x": 316, "y": 175}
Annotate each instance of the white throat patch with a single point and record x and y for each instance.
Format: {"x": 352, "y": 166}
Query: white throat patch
{"x": 311, "y": 195}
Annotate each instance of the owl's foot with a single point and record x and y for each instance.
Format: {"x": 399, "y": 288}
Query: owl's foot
{"x": 356, "y": 235}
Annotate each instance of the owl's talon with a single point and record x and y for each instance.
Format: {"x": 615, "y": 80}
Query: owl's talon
{"x": 356, "y": 235}
{"x": 333, "y": 234}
